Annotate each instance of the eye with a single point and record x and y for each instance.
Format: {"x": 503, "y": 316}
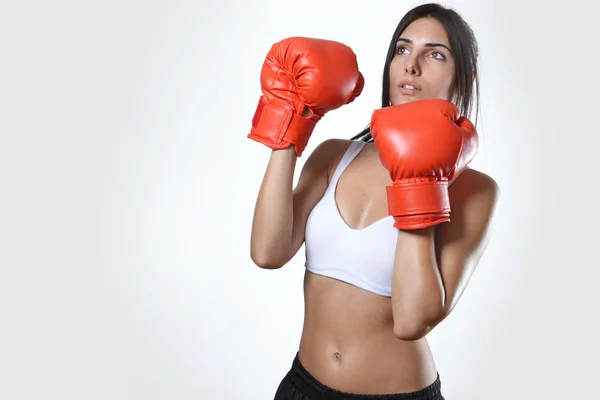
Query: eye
{"x": 438, "y": 56}
{"x": 401, "y": 50}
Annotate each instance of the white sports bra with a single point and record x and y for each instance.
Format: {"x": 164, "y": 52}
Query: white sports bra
{"x": 361, "y": 257}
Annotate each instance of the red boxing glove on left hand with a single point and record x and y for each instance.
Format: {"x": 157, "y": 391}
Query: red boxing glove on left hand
{"x": 424, "y": 145}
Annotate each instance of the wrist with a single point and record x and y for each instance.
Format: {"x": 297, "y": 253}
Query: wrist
{"x": 426, "y": 233}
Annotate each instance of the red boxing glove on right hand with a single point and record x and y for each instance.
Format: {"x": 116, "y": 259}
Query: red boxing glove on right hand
{"x": 319, "y": 74}
{"x": 424, "y": 145}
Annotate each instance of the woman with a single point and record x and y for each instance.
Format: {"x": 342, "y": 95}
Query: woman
{"x": 393, "y": 220}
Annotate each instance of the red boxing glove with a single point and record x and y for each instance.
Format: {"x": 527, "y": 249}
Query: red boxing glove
{"x": 424, "y": 145}
{"x": 319, "y": 74}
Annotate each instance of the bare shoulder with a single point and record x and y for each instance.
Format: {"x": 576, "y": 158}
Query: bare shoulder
{"x": 333, "y": 145}
{"x": 328, "y": 153}
{"x": 473, "y": 197}
{"x": 472, "y": 181}
{"x": 473, "y": 202}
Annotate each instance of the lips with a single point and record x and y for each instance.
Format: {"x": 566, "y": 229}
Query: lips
{"x": 409, "y": 85}
{"x": 409, "y": 88}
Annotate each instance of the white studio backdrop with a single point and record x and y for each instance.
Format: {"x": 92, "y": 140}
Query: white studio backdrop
{"x": 128, "y": 187}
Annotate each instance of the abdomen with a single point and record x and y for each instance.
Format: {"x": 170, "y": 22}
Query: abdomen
{"x": 348, "y": 342}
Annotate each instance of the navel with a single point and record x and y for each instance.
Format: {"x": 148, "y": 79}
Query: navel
{"x": 337, "y": 356}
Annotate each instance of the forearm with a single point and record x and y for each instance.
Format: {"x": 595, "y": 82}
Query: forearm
{"x": 273, "y": 214}
{"x": 418, "y": 293}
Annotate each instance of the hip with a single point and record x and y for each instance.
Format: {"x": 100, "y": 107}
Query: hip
{"x": 300, "y": 384}
{"x": 373, "y": 363}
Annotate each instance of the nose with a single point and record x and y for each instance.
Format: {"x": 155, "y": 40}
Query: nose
{"x": 412, "y": 67}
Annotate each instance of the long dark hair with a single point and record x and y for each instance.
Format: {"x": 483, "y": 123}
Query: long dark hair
{"x": 463, "y": 45}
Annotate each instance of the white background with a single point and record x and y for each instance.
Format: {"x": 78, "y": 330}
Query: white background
{"x": 128, "y": 186}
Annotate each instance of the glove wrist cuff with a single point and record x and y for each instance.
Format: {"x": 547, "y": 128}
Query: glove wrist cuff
{"x": 278, "y": 126}
{"x": 418, "y": 203}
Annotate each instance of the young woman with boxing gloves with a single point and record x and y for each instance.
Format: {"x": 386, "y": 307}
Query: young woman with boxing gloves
{"x": 393, "y": 220}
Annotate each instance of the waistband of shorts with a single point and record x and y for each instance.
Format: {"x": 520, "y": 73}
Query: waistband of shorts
{"x": 310, "y": 386}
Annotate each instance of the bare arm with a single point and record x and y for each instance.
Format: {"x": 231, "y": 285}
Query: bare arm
{"x": 270, "y": 243}
{"x": 281, "y": 213}
{"x": 433, "y": 265}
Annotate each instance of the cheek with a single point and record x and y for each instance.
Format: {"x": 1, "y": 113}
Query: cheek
{"x": 443, "y": 81}
{"x": 395, "y": 68}
{"x": 446, "y": 87}
{"x": 395, "y": 72}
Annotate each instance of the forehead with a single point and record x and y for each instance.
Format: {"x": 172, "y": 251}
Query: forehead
{"x": 426, "y": 30}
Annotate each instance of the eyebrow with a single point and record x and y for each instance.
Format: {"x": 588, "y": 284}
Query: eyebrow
{"x": 426, "y": 44}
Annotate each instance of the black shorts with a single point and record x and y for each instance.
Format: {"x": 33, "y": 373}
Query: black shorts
{"x": 299, "y": 384}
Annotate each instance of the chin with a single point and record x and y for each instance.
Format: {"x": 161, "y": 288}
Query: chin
{"x": 404, "y": 99}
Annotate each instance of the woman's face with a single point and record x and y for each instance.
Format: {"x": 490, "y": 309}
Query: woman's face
{"x": 423, "y": 66}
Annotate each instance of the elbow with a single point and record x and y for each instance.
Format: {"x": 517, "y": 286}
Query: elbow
{"x": 414, "y": 329}
{"x": 411, "y": 332}
{"x": 264, "y": 260}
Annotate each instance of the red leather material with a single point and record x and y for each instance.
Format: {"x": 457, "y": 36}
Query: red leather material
{"x": 317, "y": 74}
{"x": 424, "y": 145}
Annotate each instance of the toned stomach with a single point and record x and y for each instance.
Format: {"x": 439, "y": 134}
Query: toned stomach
{"x": 348, "y": 342}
